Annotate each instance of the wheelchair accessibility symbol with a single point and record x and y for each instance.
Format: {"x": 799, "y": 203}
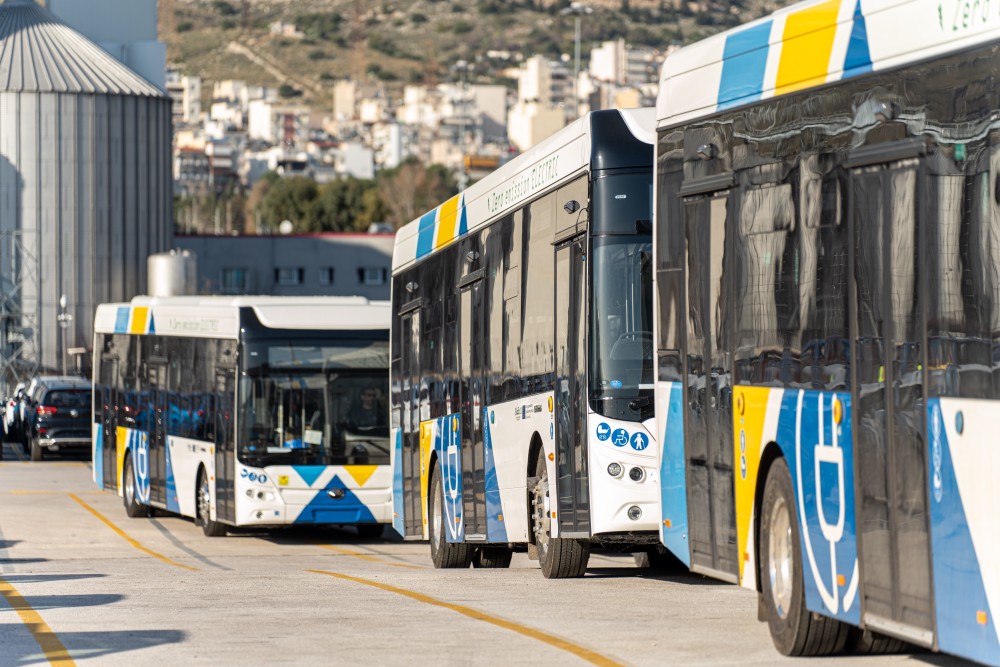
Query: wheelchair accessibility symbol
{"x": 620, "y": 437}
{"x": 639, "y": 441}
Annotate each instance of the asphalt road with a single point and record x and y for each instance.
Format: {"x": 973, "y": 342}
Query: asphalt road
{"x": 80, "y": 583}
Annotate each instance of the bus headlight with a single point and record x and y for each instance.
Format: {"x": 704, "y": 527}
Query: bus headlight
{"x": 615, "y": 469}
{"x": 634, "y": 513}
{"x": 636, "y": 474}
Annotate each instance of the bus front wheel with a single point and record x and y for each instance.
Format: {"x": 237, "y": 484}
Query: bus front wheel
{"x": 444, "y": 554}
{"x": 204, "y": 509}
{"x": 560, "y": 558}
{"x": 133, "y": 508}
{"x": 794, "y": 629}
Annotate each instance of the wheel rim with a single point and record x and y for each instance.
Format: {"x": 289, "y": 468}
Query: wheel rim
{"x": 203, "y": 500}
{"x": 129, "y": 484}
{"x": 540, "y": 510}
{"x": 437, "y": 516}
{"x": 779, "y": 561}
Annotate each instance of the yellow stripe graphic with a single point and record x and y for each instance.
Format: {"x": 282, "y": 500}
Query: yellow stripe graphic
{"x": 52, "y": 648}
{"x": 361, "y": 474}
{"x": 748, "y": 431}
{"x": 586, "y": 654}
{"x": 806, "y": 47}
{"x": 447, "y": 215}
{"x": 122, "y": 534}
{"x": 139, "y": 316}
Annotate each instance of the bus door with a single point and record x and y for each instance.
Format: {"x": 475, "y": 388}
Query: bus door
{"x": 221, "y": 410}
{"x": 108, "y": 402}
{"x": 572, "y": 483}
{"x": 472, "y": 363}
{"x": 708, "y": 420}
{"x": 156, "y": 440}
{"x": 893, "y": 528}
{"x": 408, "y": 418}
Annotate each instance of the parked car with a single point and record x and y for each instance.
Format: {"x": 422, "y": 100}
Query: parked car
{"x": 58, "y": 415}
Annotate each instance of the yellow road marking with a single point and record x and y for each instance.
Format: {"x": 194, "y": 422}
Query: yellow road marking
{"x": 44, "y": 492}
{"x": 47, "y": 464}
{"x": 122, "y": 534}
{"x": 47, "y": 640}
{"x": 368, "y": 557}
{"x": 583, "y": 653}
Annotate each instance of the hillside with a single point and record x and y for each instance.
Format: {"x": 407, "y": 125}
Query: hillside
{"x": 417, "y": 41}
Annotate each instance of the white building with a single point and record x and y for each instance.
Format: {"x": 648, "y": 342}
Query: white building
{"x": 124, "y": 28}
{"x": 545, "y": 81}
{"x": 185, "y": 91}
{"x": 530, "y": 122}
{"x": 277, "y": 124}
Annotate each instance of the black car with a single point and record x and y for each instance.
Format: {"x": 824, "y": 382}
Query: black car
{"x": 58, "y": 416}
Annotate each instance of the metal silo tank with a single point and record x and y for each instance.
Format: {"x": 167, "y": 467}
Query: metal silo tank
{"x": 173, "y": 273}
{"x": 85, "y": 185}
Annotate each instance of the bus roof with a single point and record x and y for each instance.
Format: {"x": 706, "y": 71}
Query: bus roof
{"x": 555, "y": 160}
{"x": 810, "y": 44}
{"x": 218, "y": 316}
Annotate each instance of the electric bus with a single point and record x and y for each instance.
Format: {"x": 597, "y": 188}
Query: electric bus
{"x": 522, "y": 368}
{"x": 827, "y": 253}
{"x": 245, "y": 411}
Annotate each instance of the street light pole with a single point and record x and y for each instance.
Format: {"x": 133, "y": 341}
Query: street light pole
{"x": 577, "y": 9}
{"x": 65, "y": 319}
{"x": 576, "y": 66}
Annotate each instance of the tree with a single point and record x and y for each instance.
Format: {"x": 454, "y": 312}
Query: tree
{"x": 290, "y": 199}
{"x": 412, "y": 189}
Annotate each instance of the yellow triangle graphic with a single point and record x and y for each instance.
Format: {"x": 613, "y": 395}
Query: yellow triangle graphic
{"x": 361, "y": 474}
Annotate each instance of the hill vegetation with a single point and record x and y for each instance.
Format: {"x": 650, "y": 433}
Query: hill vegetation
{"x": 413, "y": 41}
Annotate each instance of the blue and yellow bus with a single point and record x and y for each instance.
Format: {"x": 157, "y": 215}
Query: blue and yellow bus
{"x": 827, "y": 269}
{"x": 245, "y": 411}
{"x": 522, "y": 367}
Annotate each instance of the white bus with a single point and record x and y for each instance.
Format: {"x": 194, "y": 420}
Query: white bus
{"x": 522, "y": 387}
{"x": 828, "y": 320}
{"x": 245, "y": 411}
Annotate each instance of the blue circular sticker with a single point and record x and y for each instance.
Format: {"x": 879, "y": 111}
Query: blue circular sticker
{"x": 603, "y": 431}
{"x": 620, "y": 437}
{"x": 639, "y": 441}
{"x": 616, "y": 384}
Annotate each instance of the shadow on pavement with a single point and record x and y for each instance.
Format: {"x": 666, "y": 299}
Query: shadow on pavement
{"x": 7, "y": 544}
{"x": 678, "y": 576}
{"x": 44, "y": 602}
{"x": 22, "y": 561}
{"x": 97, "y": 644}
{"x": 39, "y": 578}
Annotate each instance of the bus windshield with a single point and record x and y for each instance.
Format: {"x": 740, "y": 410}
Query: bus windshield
{"x": 621, "y": 368}
{"x": 314, "y": 403}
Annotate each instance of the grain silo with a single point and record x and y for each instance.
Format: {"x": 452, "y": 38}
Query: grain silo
{"x": 85, "y": 186}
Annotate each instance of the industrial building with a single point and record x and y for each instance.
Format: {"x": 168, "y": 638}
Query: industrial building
{"x": 330, "y": 264}
{"x": 85, "y": 186}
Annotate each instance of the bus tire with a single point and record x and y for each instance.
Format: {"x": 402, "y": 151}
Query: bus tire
{"x": 133, "y": 508}
{"x": 370, "y": 531}
{"x": 444, "y": 554}
{"x": 36, "y": 450}
{"x": 492, "y": 557}
{"x": 560, "y": 558}
{"x": 795, "y": 630}
{"x": 203, "y": 508}
{"x": 866, "y": 642}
